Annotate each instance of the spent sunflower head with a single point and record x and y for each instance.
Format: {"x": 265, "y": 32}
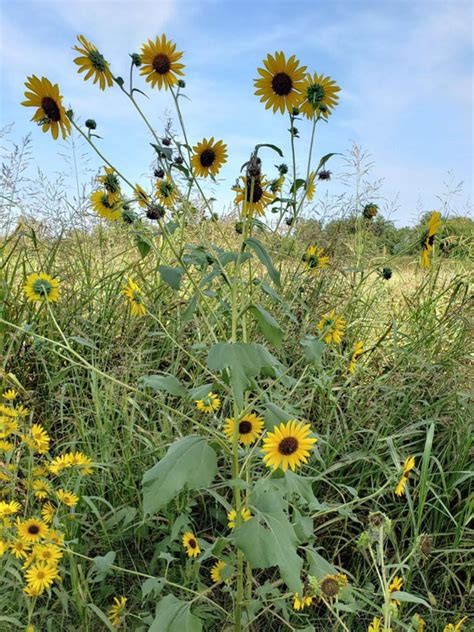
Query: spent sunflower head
{"x": 92, "y": 62}
{"x": 50, "y": 113}
{"x": 160, "y": 63}
{"x": 280, "y": 82}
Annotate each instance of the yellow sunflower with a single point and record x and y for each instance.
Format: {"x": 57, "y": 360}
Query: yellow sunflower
{"x": 455, "y": 627}
{"x": 191, "y": 545}
{"x": 115, "y": 612}
{"x": 358, "y": 349}
{"x": 102, "y": 206}
{"x": 48, "y": 511}
{"x": 49, "y": 553}
{"x": 395, "y": 585}
{"x": 208, "y": 157}
{"x": 253, "y": 195}
{"x": 289, "y": 445}
{"x": 135, "y": 297}
{"x": 332, "y": 327}
{"x": 10, "y": 394}
{"x": 319, "y": 96}
{"x": 232, "y": 516}
{"x": 208, "y": 404}
{"x": 32, "y": 530}
{"x": 143, "y": 198}
{"x": 40, "y": 287}
{"x": 375, "y": 626}
{"x": 311, "y": 186}
{"x": 20, "y": 549}
{"x": 50, "y": 113}
{"x": 299, "y": 603}
{"x": 315, "y": 259}
{"x": 280, "y": 83}
{"x": 160, "y": 62}
{"x": 216, "y": 571}
{"x": 67, "y": 498}
{"x": 407, "y": 468}
{"x": 250, "y": 428}
{"x": 41, "y": 489}
{"x": 93, "y": 62}
{"x": 166, "y": 191}
{"x": 428, "y": 238}
{"x": 40, "y": 576}
{"x": 41, "y": 438}
{"x": 111, "y": 184}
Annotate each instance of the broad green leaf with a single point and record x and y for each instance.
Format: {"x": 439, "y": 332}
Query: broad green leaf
{"x": 102, "y": 564}
{"x": 301, "y": 486}
{"x": 167, "y": 152}
{"x": 325, "y": 158}
{"x": 274, "y": 415}
{"x": 265, "y": 258}
{"x": 244, "y": 362}
{"x": 143, "y": 245}
{"x": 270, "y": 146}
{"x": 168, "y": 383}
{"x": 268, "y": 325}
{"x": 152, "y": 584}
{"x": 408, "y": 597}
{"x": 174, "y": 615}
{"x": 200, "y": 392}
{"x": 171, "y": 276}
{"x": 318, "y": 566}
{"x": 313, "y": 348}
{"x": 189, "y": 311}
{"x": 189, "y": 462}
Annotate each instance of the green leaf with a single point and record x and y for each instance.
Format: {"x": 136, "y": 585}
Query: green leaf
{"x": 161, "y": 149}
{"x": 189, "y": 311}
{"x": 102, "y": 564}
{"x": 274, "y": 147}
{"x": 171, "y": 276}
{"x": 244, "y": 361}
{"x": 318, "y": 566}
{"x": 265, "y": 258}
{"x": 268, "y": 325}
{"x": 313, "y": 349}
{"x": 269, "y": 539}
{"x": 143, "y": 246}
{"x": 85, "y": 342}
{"x": 408, "y": 597}
{"x": 174, "y": 615}
{"x": 325, "y": 158}
{"x": 189, "y": 462}
{"x": 167, "y": 383}
{"x": 152, "y": 584}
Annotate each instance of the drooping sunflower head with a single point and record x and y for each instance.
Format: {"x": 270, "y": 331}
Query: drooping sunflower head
{"x": 191, "y": 544}
{"x": 428, "y": 238}
{"x": 250, "y": 428}
{"x": 208, "y": 404}
{"x": 315, "y": 259}
{"x": 333, "y": 327}
{"x": 166, "y": 191}
{"x": 280, "y": 83}
{"x": 254, "y": 196}
{"x": 330, "y": 585}
{"x": 92, "y": 62}
{"x": 50, "y": 113}
{"x": 135, "y": 297}
{"x": 32, "y": 530}
{"x": 41, "y": 287}
{"x": 208, "y": 157}
{"x": 319, "y": 96}
{"x": 102, "y": 206}
{"x": 111, "y": 184}
{"x": 310, "y": 186}
{"x": 160, "y": 62}
{"x": 289, "y": 445}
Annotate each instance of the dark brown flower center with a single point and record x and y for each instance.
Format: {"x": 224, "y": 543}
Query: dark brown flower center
{"x": 33, "y": 529}
{"x": 161, "y": 64}
{"x": 313, "y": 261}
{"x": 282, "y": 84}
{"x": 207, "y": 157}
{"x": 288, "y": 446}
{"x": 192, "y": 543}
{"x": 254, "y": 191}
{"x": 51, "y": 109}
{"x": 245, "y": 427}
{"x": 330, "y": 587}
{"x": 40, "y": 575}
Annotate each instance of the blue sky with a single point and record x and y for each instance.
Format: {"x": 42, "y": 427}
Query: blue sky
{"x": 405, "y": 69}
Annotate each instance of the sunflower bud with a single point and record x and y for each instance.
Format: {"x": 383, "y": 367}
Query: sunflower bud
{"x": 181, "y": 83}
{"x": 324, "y": 174}
{"x": 387, "y": 273}
{"x": 214, "y": 217}
{"x": 90, "y": 124}
{"x": 166, "y": 141}
{"x": 289, "y": 220}
{"x": 159, "y": 173}
{"x": 128, "y": 216}
{"x": 295, "y": 111}
{"x": 136, "y": 59}
{"x": 282, "y": 169}
{"x": 120, "y": 81}
{"x": 155, "y": 212}
{"x": 179, "y": 160}
{"x": 239, "y": 228}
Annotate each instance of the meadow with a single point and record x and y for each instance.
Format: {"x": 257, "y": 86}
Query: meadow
{"x": 244, "y": 422}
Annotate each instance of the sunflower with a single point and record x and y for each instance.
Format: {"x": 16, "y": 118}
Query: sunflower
{"x": 315, "y": 259}
{"x": 135, "y": 297}
{"x": 455, "y": 627}
{"x": 330, "y": 585}
{"x": 67, "y": 498}
{"x": 143, "y": 198}
{"x": 9, "y": 394}
{"x": 160, "y": 62}
{"x": 6, "y": 446}
{"x": 7, "y": 427}
{"x": 375, "y": 626}
{"x": 319, "y": 96}
{"x": 191, "y": 545}
{"x": 310, "y": 186}
{"x": 232, "y": 515}
{"x": 41, "y": 438}
{"x": 428, "y": 238}
{"x": 32, "y": 530}
{"x": 253, "y": 195}
{"x": 4, "y": 546}
{"x": 7, "y": 508}
{"x": 250, "y": 428}
{"x": 299, "y": 603}
{"x": 40, "y": 287}
{"x": 216, "y": 571}
{"x": 358, "y": 349}
{"x": 208, "y": 157}
{"x": 48, "y": 511}
{"x": 50, "y": 113}
{"x": 289, "y": 445}
{"x": 395, "y": 585}
{"x": 208, "y": 404}
{"x": 280, "y": 83}
{"x": 20, "y": 549}
{"x": 115, "y": 612}
{"x": 332, "y": 327}
{"x": 41, "y": 489}
{"x": 104, "y": 208}
{"x": 93, "y": 62}
{"x": 166, "y": 191}
{"x": 111, "y": 184}
{"x": 419, "y": 622}
{"x": 407, "y": 468}
{"x": 41, "y": 576}
{"x": 49, "y": 553}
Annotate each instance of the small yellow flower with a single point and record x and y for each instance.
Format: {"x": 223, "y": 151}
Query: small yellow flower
{"x": 41, "y": 438}
{"x": 4, "y": 546}
{"x": 375, "y": 626}
{"x": 455, "y": 627}
{"x": 315, "y": 259}
{"x": 111, "y": 184}
{"x": 310, "y": 186}
{"x": 254, "y": 195}
{"x": 427, "y": 240}
{"x": 289, "y": 445}
{"x": 300, "y": 603}
{"x": 191, "y": 545}
{"x": 49, "y": 553}
{"x": 166, "y": 191}
{"x": 6, "y": 446}
{"x": 102, "y": 205}
{"x": 216, "y": 571}
{"x": 92, "y": 62}
{"x": 7, "y": 508}
{"x": 9, "y": 394}
{"x": 20, "y": 549}
{"x": 48, "y": 511}
{"x": 32, "y": 530}
{"x": 143, "y": 198}
{"x": 319, "y": 96}
{"x": 395, "y": 585}
{"x": 250, "y": 428}
{"x": 232, "y": 515}
{"x": 135, "y": 297}
{"x": 40, "y": 576}
{"x": 208, "y": 404}
{"x": 116, "y": 611}
{"x": 407, "y": 468}
{"x": 67, "y": 498}
{"x": 358, "y": 349}
{"x": 41, "y": 287}
{"x": 41, "y": 489}
{"x": 332, "y": 327}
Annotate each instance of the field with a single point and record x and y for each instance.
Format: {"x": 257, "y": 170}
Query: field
{"x": 242, "y": 422}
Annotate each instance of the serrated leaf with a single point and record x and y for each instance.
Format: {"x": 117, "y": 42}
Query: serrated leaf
{"x": 189, "y": 463}
{"x": 168, "y": 383}
{"x": 174, "y": 615}
{"x": 171, "y": 276}
{"x": 265, "y": 258}
{"x": 268, "y": 325}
